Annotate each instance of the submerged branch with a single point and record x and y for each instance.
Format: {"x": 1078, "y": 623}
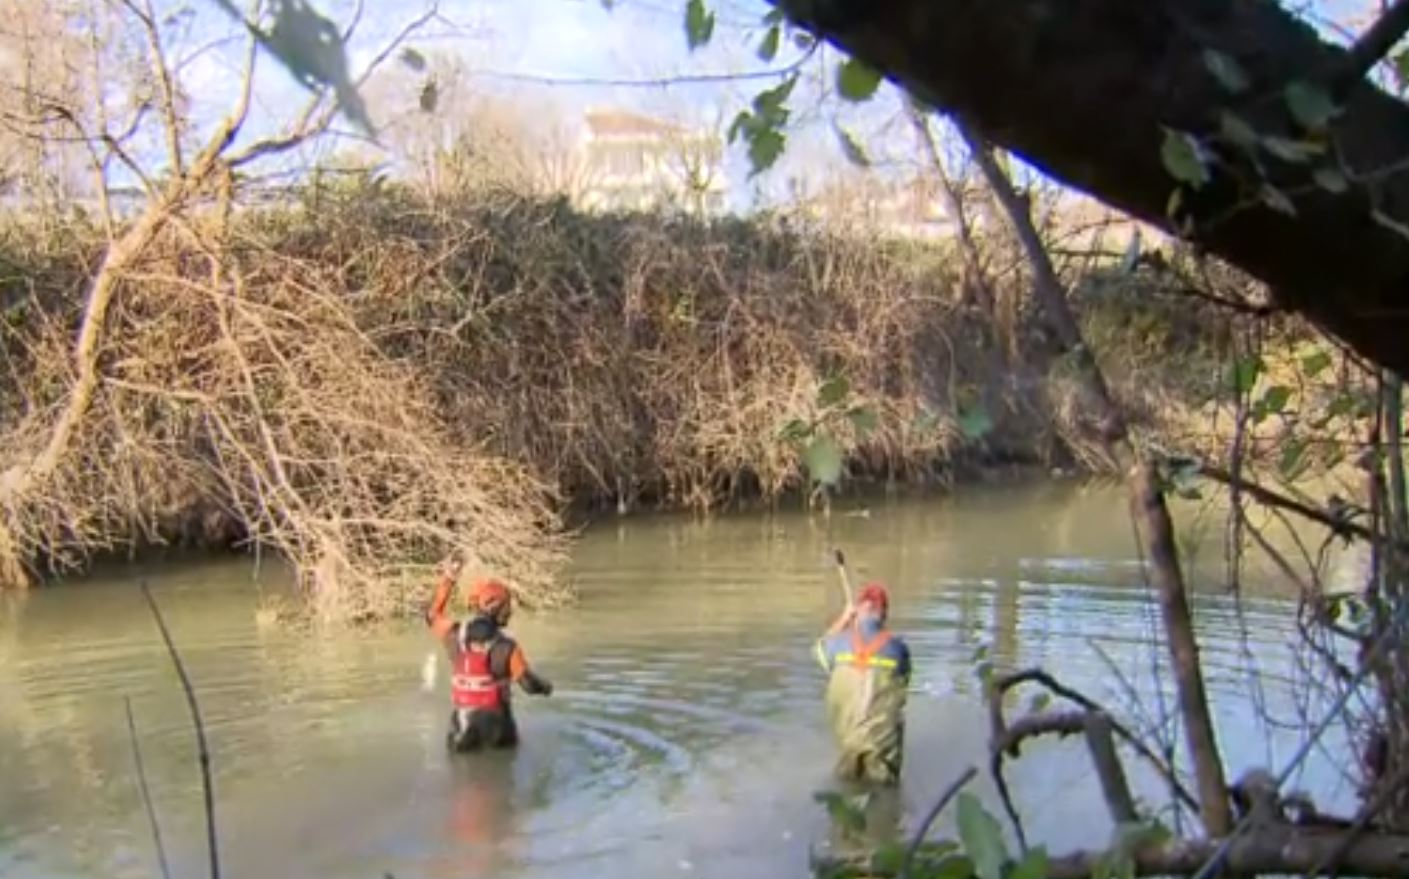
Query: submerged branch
{"x": 202, "y": 751}
{"x": 146, "y": 793}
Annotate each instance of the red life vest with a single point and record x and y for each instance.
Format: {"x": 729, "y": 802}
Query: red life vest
{"x": 473, "y": 685}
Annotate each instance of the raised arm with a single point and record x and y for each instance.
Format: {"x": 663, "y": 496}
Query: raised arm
{"x": 440, "y": 624}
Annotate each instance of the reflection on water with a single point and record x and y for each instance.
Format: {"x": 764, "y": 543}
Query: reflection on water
{"x": 686, "y": 735}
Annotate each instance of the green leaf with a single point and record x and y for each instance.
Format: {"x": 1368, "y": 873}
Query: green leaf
{"x": 1315, "y": 363}
{"x": 1183, "y": 158}
{"x": 1039, "y": 701}
{"x": 1292, "y": 461}
{"x": 768, "y": 49}
{"x": 774, "y": 16}
{"x": 1341, "y": 405}
{"x": 1401, "y": 67}
{"x": 796, "y": 430}
{"x": 1032, "y": 866}
{"x": 1331, "y": 180}
{"x": 863, "y": 419}
{"x": 889, "y": 858}
{"x": 1277, "y": 200}
{"x": 699, "y": 24}
{"x": 1294, "y": 151}
{"x": 770, "y": 104}
{"x": 765, "y": 146}
{"x": 1275, "y": 400}
{"x": 833, "y": 391}
{"x": 856, "y": 81}
{"x": 843, "y": 810}
{"x": 413, "y": 59}
{"x": 1228, "y": 72}
{"x": 853, "y": 150}
{"x": 1311, "y": 105}
{"x": 952, "y": 867}
{"x": 1237, "y": 131}
{"x": 1244, "y": 373}
{"x": 982, "y": 838}
{"x": 823, "y": 459}
{"x": 742, "y": 121}
{"x": 980, "y": 652}
{"x": 975, "y": 422}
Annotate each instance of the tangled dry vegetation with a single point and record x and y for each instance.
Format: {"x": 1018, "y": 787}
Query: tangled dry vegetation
{"x": 367, "y": 379}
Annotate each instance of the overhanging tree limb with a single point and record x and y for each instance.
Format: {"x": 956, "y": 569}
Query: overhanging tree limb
{"x": 1374, "y": 44}
{"x": 1085, "y": 89}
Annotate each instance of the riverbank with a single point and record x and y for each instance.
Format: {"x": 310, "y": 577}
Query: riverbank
{"x": 366, "y": 378}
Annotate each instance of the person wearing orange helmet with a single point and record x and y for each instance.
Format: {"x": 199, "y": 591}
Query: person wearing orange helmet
{"x": 485, "y": 662}
{"x": 868, "y": 671}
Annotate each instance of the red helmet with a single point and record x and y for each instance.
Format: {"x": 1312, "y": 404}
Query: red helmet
{"x": 874, "y": 593}
{"x": 489, "y": 596}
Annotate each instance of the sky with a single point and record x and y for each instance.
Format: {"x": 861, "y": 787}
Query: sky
{"x": 545, "y": 52}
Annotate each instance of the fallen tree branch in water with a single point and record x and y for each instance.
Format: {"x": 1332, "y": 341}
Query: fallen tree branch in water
{"x": 1279, "y": 849}
{"x": 1005, "y": 738}
{"x": 146, "y": 794}
{"x": 202, "y": 752}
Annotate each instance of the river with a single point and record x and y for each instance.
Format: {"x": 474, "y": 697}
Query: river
{"x": 686, "y": 736}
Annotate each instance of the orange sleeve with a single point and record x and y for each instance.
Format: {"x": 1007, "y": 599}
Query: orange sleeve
{"x": 439, "y": 623}
{"x": 518, "y": 664}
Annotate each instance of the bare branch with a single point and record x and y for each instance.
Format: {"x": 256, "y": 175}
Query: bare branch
{"x": 162, "y": 71}
{"x": 203, "y": 752}
{"x": 146, "y": 794}
{"x": 1268, "y": 497}
{"x": 1001, "y": 741}
{"x": 307, "y": 126}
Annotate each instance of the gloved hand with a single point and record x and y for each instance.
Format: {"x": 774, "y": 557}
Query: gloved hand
{"x": 535, "y": 685}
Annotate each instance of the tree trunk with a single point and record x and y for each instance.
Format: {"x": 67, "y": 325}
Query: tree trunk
{"x": 1083, "y": 90}
{"x": 1148, "y": 509}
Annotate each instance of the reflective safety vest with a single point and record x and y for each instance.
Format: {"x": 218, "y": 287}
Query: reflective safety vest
{"x": 863, "y": 653}
{"x": 866, "y": 706}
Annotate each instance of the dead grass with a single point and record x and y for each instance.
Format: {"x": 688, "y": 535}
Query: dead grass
{"x": 367, "y": 379}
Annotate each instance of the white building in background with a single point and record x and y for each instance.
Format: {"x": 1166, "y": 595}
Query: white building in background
{"x": 636, "y": 162}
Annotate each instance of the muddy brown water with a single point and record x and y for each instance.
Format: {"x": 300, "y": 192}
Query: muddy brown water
{"x": 686, "y": 736}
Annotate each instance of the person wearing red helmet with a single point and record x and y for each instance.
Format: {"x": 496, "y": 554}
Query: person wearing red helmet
{"x": 485, "y": 662}
{"x": 868, "y": 675}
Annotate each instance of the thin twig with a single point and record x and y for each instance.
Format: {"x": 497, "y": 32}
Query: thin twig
{"x": 202, "y": 751}
{"x": 949, "y": 793}
{"x": 146, "y": 794}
